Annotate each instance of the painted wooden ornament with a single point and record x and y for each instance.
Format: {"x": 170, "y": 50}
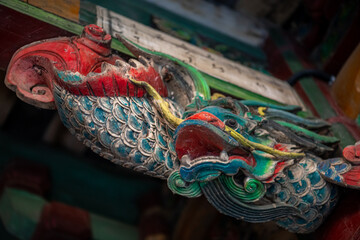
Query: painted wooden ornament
{"x": 253, "y": 161}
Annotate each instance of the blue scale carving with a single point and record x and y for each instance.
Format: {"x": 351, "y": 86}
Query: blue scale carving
{"x": 124, "y": 130}
{"x": 304, "y": 188}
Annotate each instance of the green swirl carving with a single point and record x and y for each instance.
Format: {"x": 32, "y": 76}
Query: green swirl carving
{"x": 252, "y": 190}
{"x": 178, "y": 186}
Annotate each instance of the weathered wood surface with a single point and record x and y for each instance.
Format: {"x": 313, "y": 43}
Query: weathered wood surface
{"x": 220, "y": 18}
{"x": 14, "y": 33}
{"x": 204, "y": 61}
{"x": 68, "y": 9}
{"x": 44, "y": 16}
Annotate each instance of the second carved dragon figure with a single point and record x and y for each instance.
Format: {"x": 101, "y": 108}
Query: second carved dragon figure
{"x": 252, "y": 161}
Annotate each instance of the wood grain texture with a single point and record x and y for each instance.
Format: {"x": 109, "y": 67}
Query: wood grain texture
{"x": 43, "y": 16}
{"x": 211, "y": 64}
{"x": 204, "y": 61}
{"x": 68, "y": 9}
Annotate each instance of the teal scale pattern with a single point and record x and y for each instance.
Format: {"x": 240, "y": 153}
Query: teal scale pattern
{"x": 125, "y": 130}
{"x": 302, "y": 186}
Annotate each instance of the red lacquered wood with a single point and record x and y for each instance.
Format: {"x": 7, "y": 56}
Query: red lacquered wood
{"x": 31, "y": 70}
{"x": 36, "y": 67}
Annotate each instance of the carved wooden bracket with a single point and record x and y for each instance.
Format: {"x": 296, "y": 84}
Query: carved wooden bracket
{"x": 31, "y": 69}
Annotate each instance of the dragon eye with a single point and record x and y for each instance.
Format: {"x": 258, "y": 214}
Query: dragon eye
{"x": 231, "y": 123}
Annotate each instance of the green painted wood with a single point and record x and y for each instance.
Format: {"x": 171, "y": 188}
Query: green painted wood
{"x": 118, "y": 46}
{"x": 235, "y": 91}
{"x": 308, "y": 133}
{"x": 43, "y": 16}
{"x": 341, "y": 132}
{"x": 317, "y": 98}
{"x": 58, "y": 21}
{"x": 311, "y": 89}
{"x": 89, "y": 17}
{"x": 305, "y": 114}
{"x": 87, "y": 13}
{"x": 308, "y": 85}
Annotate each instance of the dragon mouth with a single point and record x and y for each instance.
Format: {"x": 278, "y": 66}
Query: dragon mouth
{"x": 205, "y": 151}
{"x": 200, "y": 141}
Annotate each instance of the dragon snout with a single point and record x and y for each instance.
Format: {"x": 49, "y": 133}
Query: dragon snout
{"x": 202, "y": 135}
{"x": 30, "y": 77}
{"x": 205, "y": 150}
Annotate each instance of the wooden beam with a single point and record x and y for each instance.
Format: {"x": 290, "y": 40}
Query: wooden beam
{"x": 204, "y": 61}
{"x": 241, "y": 77}
{"x": 68, "y": 9}
{"x": 43, "y": 16}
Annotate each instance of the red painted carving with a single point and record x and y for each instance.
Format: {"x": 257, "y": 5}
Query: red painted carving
{"x": 35, "y": 63}
{"x": 352, "y": 153}
{"x": 31, "y": 70}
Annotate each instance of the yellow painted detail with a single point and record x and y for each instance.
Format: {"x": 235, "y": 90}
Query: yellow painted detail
{"x": 257, "y": 146}
{"x": 162, "y": 105}
{"x": 261, "y": 111}
{"x": 217, "y": 95}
